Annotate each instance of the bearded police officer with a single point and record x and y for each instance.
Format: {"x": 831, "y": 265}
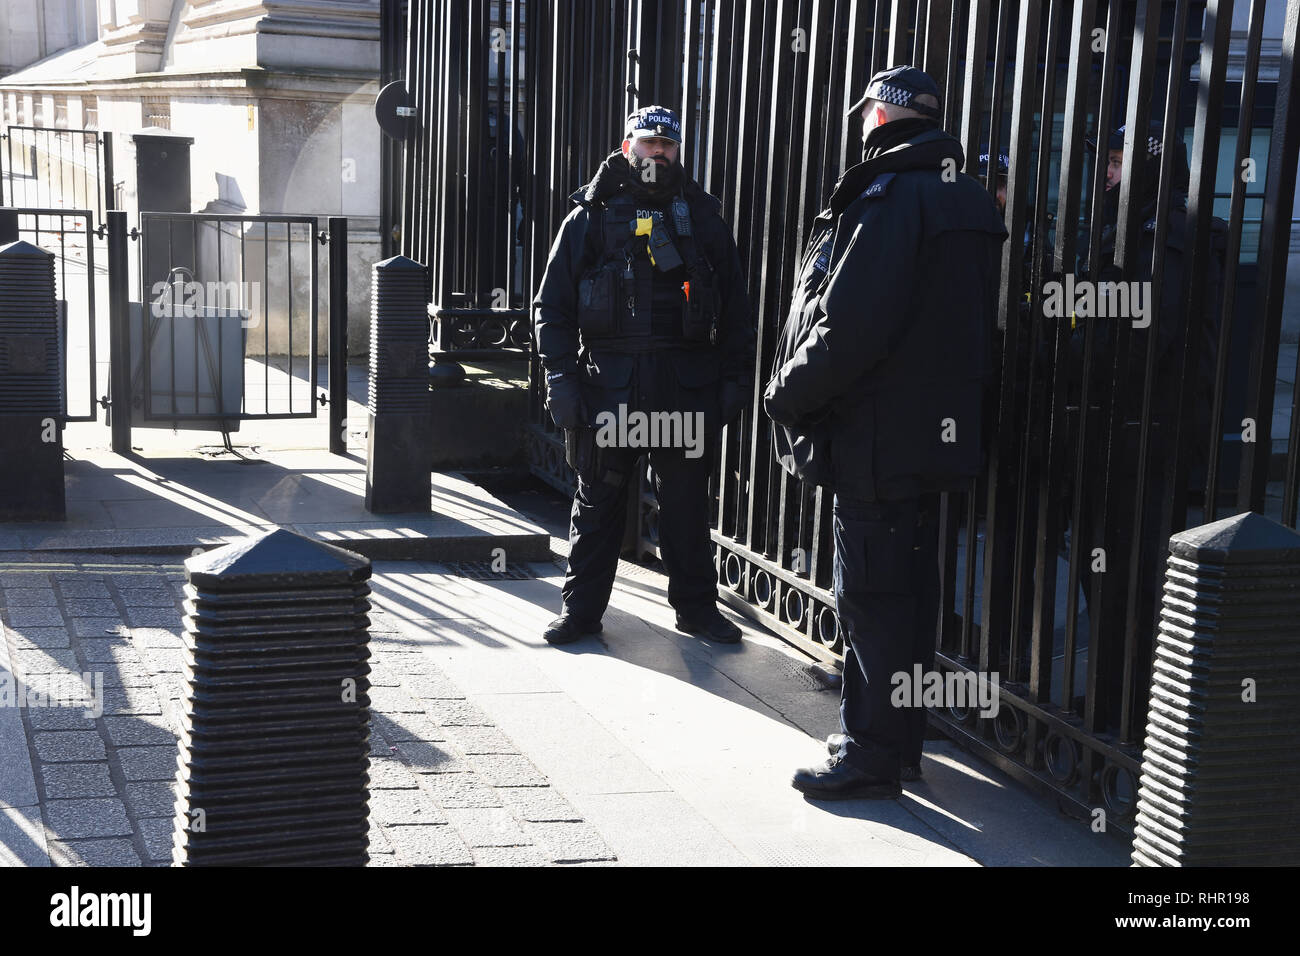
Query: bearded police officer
{"x": 646, "y": 336}
{"x": 876, "y": 393}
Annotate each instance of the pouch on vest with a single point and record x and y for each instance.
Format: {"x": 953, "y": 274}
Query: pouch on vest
{"x": 598, "y": 301}
{"x": 700, "y": 317}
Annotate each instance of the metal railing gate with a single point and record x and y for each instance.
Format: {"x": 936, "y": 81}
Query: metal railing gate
{"x": 763, "y": 89}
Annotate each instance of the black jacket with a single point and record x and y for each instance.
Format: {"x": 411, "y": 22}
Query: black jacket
{"x": 680, "y": 376}
{"x": 1170, "y": 335}
{"x": 879, "y": 376}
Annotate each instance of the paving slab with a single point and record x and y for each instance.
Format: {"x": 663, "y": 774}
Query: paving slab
{"x": 17, "y": 782}
{"x": 22, "y": 837}
{"x": 94, "y": 853}
{"x": 429, "y": 846}
{"x": 67, "y": 780}
{"x": 90, "y": 817}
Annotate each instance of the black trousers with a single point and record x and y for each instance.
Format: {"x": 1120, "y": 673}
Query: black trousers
{"x": 887, "y": 598}
{"x": 597, "y": 520}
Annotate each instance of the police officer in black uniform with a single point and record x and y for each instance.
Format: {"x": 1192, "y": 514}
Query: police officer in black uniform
{"x": 1166, "y": 336}
{"x": 876, "y": 392}
{"x": 643, "y": 310}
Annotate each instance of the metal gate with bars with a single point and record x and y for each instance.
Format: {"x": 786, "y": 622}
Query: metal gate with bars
{"x": 57, "y": 168}
{"x": 763, "y": 89}
{"x": 225, "y": 326}
{"x": 212, "y": 324}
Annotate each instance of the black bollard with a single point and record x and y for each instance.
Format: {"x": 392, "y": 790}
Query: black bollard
{"x": 31, "y": 387}
{"x": 274, "y": 733}
{"x": 1220, "y": 784}
{"x": 399, "y": 447}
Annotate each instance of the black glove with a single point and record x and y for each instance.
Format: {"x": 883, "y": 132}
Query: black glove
{"x": 734, "y": 399}
{"x": 564, "y": 400}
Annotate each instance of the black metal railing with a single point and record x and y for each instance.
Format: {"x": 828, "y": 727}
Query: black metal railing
{"x": 229, "y": 317}
{"x": 57, "y": 168}
{"x": 80, "y": 275}
{"x": 1099, "y": 448}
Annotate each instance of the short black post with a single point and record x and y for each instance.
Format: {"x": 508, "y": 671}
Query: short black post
{"x": 275, "y": 728}
{"x": 338, "y": 344}
{"x": 399, "y": 452}
{"x": 1219, "y": 777}
{"x": 119, "y": 334}
{"x": 31, "y": 387}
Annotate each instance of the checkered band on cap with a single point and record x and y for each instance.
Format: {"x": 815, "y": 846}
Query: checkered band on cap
{"x": 890, "y": 94}
{"x": 1154, "y": 146}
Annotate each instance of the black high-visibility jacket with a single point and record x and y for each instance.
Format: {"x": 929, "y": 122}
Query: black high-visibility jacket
{"x": 880, "y": 373}
{"x": 670, "y": 375}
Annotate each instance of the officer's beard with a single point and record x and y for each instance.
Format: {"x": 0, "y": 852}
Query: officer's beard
{"x": 655, "y": 181}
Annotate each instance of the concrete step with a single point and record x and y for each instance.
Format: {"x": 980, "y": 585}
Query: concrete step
{"x": 175, "y": 503}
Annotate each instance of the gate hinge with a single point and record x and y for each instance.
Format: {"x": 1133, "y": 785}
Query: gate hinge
{"x": 101, "y": 230}
{"x": 322, "y": 399}
{"x": 323, "y": 236}
{"x": 105, "y": 402}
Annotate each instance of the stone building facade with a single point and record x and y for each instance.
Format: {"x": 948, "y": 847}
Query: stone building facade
{"x": 277, "y": 95}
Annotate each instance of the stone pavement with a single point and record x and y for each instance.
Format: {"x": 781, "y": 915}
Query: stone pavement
{"x": 447, "y": 786}
{"x": 638, "y": 746}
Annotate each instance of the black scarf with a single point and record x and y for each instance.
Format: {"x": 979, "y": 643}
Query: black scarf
{"x": 888, "y": 135}
{"x": 927, "y": 148}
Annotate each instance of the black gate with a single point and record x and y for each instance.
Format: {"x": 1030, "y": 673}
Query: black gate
{"x": 763, "y": 89}
{"x": 224, "y": 327}
{"x": 57, "y": 168}
{"x": 229, "y": 328}
{"x": 80, "y": 276}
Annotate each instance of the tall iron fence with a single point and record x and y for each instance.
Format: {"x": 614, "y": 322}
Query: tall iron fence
{"x": 1100, "y": 445}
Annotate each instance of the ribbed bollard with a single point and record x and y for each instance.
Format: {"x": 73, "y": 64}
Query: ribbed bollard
{"x": 274, "y": 732}
{"x": 400, "y": 439}
{"x": 1220, "y": 782}
{"x": 31, "y": 387}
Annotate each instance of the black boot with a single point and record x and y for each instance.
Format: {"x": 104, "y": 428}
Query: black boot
{"x": 837, "y": 779}
{"x": 835, "y": 743}
{"x": 709, "y": 623}
{"x": 566, "y": 629}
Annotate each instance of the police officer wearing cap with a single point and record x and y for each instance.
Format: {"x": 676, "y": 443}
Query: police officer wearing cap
{"x": 876, "y": 393}
{"x": 643, "y": 309}
{"x": 1170, "y": 326}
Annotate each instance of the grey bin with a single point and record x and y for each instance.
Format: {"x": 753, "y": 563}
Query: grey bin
{"x": 205, "y": 353}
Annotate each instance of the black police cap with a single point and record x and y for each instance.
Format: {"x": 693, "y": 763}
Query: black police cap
{"x": 653, "y": 121}
{"x": 901, "y": 85}
{"x": 1003, "y": 161}
{"x": 1155, "y": 139}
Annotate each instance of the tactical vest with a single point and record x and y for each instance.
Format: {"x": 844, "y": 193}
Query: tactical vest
{"x": 626, "y": 301}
